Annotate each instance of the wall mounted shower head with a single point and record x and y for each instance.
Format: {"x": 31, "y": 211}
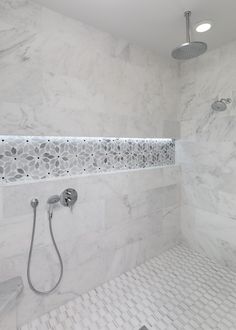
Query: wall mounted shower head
{"x": 221, "y": 105}
{"x": 189, "y": 49}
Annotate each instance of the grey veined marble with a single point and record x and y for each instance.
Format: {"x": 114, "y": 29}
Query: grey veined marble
{"x": 9, "y": 291}
{"x": 25, "y": 158}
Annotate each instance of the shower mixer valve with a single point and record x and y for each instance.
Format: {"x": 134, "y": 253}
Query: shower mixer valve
{"x": 68, "y": 197}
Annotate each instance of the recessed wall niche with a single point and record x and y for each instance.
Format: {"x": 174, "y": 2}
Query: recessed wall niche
{"x": 25, "y": 158}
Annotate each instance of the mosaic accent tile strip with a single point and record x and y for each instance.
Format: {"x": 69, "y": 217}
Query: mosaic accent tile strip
{"x": 178, "y": 290}
{"x": 35, "y": 158}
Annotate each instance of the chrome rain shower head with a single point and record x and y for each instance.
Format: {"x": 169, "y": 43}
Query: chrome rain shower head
{"x": 189, "y": 49}
{"x": 221, "y": 105}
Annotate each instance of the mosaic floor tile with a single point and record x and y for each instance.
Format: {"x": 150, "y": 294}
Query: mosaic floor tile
{"x": 179, "y": 289}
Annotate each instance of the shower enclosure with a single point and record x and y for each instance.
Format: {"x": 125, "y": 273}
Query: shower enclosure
{"x": 148, "y": 143}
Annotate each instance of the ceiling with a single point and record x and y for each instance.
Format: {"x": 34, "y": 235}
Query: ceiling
{"x": 157, "y": 24}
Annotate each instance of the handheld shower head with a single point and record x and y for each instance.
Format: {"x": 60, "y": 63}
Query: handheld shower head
{"x": 52, "y": 201}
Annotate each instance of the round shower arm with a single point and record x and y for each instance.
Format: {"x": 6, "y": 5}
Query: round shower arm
{"x": 187, "y": 15}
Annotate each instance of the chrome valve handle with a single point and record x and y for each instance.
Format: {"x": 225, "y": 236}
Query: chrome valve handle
{"x": 68, "y": 197}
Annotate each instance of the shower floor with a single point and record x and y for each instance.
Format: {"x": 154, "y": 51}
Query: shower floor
{"x": 179, "y": 289}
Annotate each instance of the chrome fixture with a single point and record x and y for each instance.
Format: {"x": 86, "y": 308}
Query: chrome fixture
{"x": 52, "y": 201}
{"x": 221, "y": 105}
{"x": 67, "y": 198}
{"x": 189, "y": 49}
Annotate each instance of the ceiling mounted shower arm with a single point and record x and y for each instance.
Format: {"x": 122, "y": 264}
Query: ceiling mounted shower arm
{"x": 189, "y": 49}
{"x": 187, "y": 15}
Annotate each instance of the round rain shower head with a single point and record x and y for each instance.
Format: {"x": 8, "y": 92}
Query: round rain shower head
{"x": 221, "y": 105}
{"x": 189, "y": 49}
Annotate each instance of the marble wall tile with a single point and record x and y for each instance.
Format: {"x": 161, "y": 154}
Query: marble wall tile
{"x": 1, "y": 204}
{"x": 120, "y": 220}
{"x": 89, "y": 187}
{"x": 61, "y": 77}
{"x": 171, "y": 196}
{"x": 211, "y": 233}
{"x": 8, "y": 321}
{"x": 209, "y": 188}
{"x": 207, "y": 154}
{"x": 171, "y": 227}
{"x": 20, "y": 53}
{"x": 171, "y": 128}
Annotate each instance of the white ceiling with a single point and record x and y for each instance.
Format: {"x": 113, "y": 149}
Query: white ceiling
{"x": 158, "y": 24}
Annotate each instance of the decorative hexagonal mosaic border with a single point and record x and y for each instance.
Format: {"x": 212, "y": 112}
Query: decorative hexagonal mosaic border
{"x": 33, "y": 158}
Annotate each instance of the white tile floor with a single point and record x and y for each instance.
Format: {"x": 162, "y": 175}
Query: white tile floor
{"x": 178, "y": 290}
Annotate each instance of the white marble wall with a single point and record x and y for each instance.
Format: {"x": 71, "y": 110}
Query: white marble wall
{"x": 61, "y": 77}
{"x": 207, "y": 153}
{"x": 120, "y": 220}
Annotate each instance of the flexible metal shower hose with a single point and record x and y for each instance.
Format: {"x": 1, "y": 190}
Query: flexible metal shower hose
{"x": 30, "y": 254}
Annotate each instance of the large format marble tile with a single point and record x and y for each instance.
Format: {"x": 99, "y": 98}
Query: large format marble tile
{"x": 62, "y": 77}
{"x": 207, "y": 154}
{"x": 120, "y": 220}
{"x": 210, "y": 233}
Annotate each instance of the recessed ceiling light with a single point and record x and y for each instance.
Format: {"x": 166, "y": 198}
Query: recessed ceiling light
{"x": 203, "y": 26}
